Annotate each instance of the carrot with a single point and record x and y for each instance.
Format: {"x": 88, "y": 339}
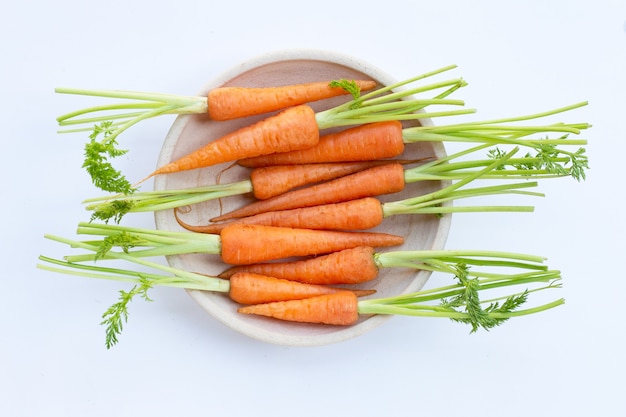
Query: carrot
{"x": 247, "y": 244}
{"x": 227, "y": 103}
{"x": 370, "y": 183}
{"x": 293, "y": 128}
{"x": 361, "y": 143}
{"x": 388, "y": 139}
{"x": 237, "y": 244}
{"x": 383, "y": 179}
{"x": 339, "y": 309}
{"x": 222, "y": 103}
{"x": 250, "y": 288}
{"x": 348, "y": 266}
{"x": 363, "y": 264}
{"x": 460, "y": 302}
{"x": 359, "y": 214}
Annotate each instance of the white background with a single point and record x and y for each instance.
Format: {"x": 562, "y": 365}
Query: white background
{"x": 174, "y": 359}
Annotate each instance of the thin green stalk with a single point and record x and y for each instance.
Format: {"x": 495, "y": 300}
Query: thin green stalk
{"x": 461, "y": 302}
{"x": 212, "y": 285}
{"x": 116, "y": 206}
{"x": 381, "y": 104}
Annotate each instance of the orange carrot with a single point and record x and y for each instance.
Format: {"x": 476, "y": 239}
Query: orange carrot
{"x": 238, "y": 244}
{"x": 362, "y": 264}
{"x": 361, "y": 143}
{"x": 250, "y": 288}
{"x": 226, "y": 103}
{"x": 344, "y": 309}
{"x": 274, "y": 180}
{"x": 360, "y": 214}
{"x": 248, "y": 244}
{"x": 383, "y": 179}
{"x": 293, "y": 128}
{"x": 340, "y": 308}
{"x": 349, "y": 266}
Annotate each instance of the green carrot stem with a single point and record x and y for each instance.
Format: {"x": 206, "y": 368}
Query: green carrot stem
{"x": 211, "y": 284}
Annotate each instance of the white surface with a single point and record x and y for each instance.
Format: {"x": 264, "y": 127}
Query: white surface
{"x": 173, "y": 359}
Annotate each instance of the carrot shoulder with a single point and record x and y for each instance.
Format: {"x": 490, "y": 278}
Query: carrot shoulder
{"x": 226, "y": 103}
{"x": 293, "y": 128}
{"x": 349, "y": 266}
{"x": 379, "y": 180}
{"x": 248, "y": 244}
{"x": 339, "y": 309}
{"x": 361, "y": 143}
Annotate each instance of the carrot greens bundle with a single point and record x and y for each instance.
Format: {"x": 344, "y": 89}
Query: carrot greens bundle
{"x": 392, "y": 178}
{"x": 295, "y": 127}
{"x": 236, "y": 245}
{"x": 243, "y": 288}
{"x": 352, "y": 212}
{"x": 345, "y": 187}
{"x": 459, "y": 302}
{"x": 291, "y": 300}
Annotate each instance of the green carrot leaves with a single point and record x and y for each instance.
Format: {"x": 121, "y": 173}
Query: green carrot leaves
{"x": 116, "y": 316}
{"x": 97, "y": 161}
{"x": 348, "y": 86}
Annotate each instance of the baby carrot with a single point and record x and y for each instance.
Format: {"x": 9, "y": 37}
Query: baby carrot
{"x": 222, "y": 103}
{"x": 227, "y": 103}
{"x": 237, "y": 244}
{"x": 360, "y": 143}
{"x": 348, "y": 266}
{"x": 359, "y": 214}
{"x": 362, "y": 264}
{"x": 243, "y": 288}
{"x": 293, "y": 128}
{"x": 459, "y": 302}
{"x": 387, "y": 139}
{"x": 341, "y": 309}
{"x": 248, "y": 288}
{"x": 246, "y": 244}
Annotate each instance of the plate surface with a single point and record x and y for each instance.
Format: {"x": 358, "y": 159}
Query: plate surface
{"x": 191, "y": 132}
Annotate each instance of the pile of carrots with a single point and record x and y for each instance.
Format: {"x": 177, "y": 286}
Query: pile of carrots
{"x": 316, "y": 201}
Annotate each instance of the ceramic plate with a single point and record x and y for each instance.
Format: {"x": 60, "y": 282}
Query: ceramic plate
{"x": 191, "y": 132}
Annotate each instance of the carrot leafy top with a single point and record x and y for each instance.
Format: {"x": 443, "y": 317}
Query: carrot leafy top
{"x": 473, "y": 271}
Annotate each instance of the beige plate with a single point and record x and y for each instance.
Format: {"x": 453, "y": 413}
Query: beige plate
{"x": 190, "y": 132}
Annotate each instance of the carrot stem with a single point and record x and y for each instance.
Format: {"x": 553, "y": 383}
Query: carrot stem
{"x": 460, "y": 302}
{"x": 117, "y": 205}
{"x": 190, "y": 277}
